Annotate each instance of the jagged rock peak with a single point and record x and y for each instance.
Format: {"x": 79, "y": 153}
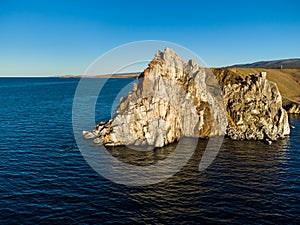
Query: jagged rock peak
{"x": 169, "y": 58}
{"x": 169, "y": 65}
{"x": 168, "y": 55}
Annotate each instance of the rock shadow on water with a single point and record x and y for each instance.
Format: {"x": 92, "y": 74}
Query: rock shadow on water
{"x": 148, "y": 155}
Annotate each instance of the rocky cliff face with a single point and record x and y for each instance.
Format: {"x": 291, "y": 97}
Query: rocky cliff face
{"x": 254, "y": 107}
{"x": 174, "y": 99}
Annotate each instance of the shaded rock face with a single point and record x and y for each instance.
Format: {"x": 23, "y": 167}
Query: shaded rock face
{"x": 254, "y": 107}
{"x": 175, "y": 98}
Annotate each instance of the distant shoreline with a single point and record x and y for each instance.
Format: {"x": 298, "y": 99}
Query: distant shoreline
{"x": 118, "y": 75}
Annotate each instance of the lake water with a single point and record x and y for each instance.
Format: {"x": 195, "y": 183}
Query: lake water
{"x": 44, "y": 178}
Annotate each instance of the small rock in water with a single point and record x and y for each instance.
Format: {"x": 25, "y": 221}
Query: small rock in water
{"x": 88, "y": 135}
{"x": 268, "y": 141}
{"x": 97, "y": 141}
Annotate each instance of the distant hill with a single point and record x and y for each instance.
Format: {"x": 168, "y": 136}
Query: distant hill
{"x": 273, "y": 64}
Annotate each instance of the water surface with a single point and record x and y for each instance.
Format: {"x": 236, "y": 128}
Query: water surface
{"x": 44, "y": 178}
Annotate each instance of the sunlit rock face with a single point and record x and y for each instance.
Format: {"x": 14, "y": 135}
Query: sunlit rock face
{"x": 174, "y": 98}
{"x": 171, "y": 100}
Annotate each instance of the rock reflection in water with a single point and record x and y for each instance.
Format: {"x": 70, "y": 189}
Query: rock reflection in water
{"x": 246, "y": 180}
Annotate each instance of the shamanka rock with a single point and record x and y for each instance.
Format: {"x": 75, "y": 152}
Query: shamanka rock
{"x": 175, "y": 98}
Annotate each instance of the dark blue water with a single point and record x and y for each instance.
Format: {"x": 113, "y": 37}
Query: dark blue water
{"x": 44, "y": 179}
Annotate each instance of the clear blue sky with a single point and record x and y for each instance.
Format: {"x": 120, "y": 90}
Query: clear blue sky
{"x": 63, "y": 37}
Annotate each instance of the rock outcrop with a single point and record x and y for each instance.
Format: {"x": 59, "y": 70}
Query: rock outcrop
{"x": 254, "y": 107}
{"x": 175, "y": 98}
